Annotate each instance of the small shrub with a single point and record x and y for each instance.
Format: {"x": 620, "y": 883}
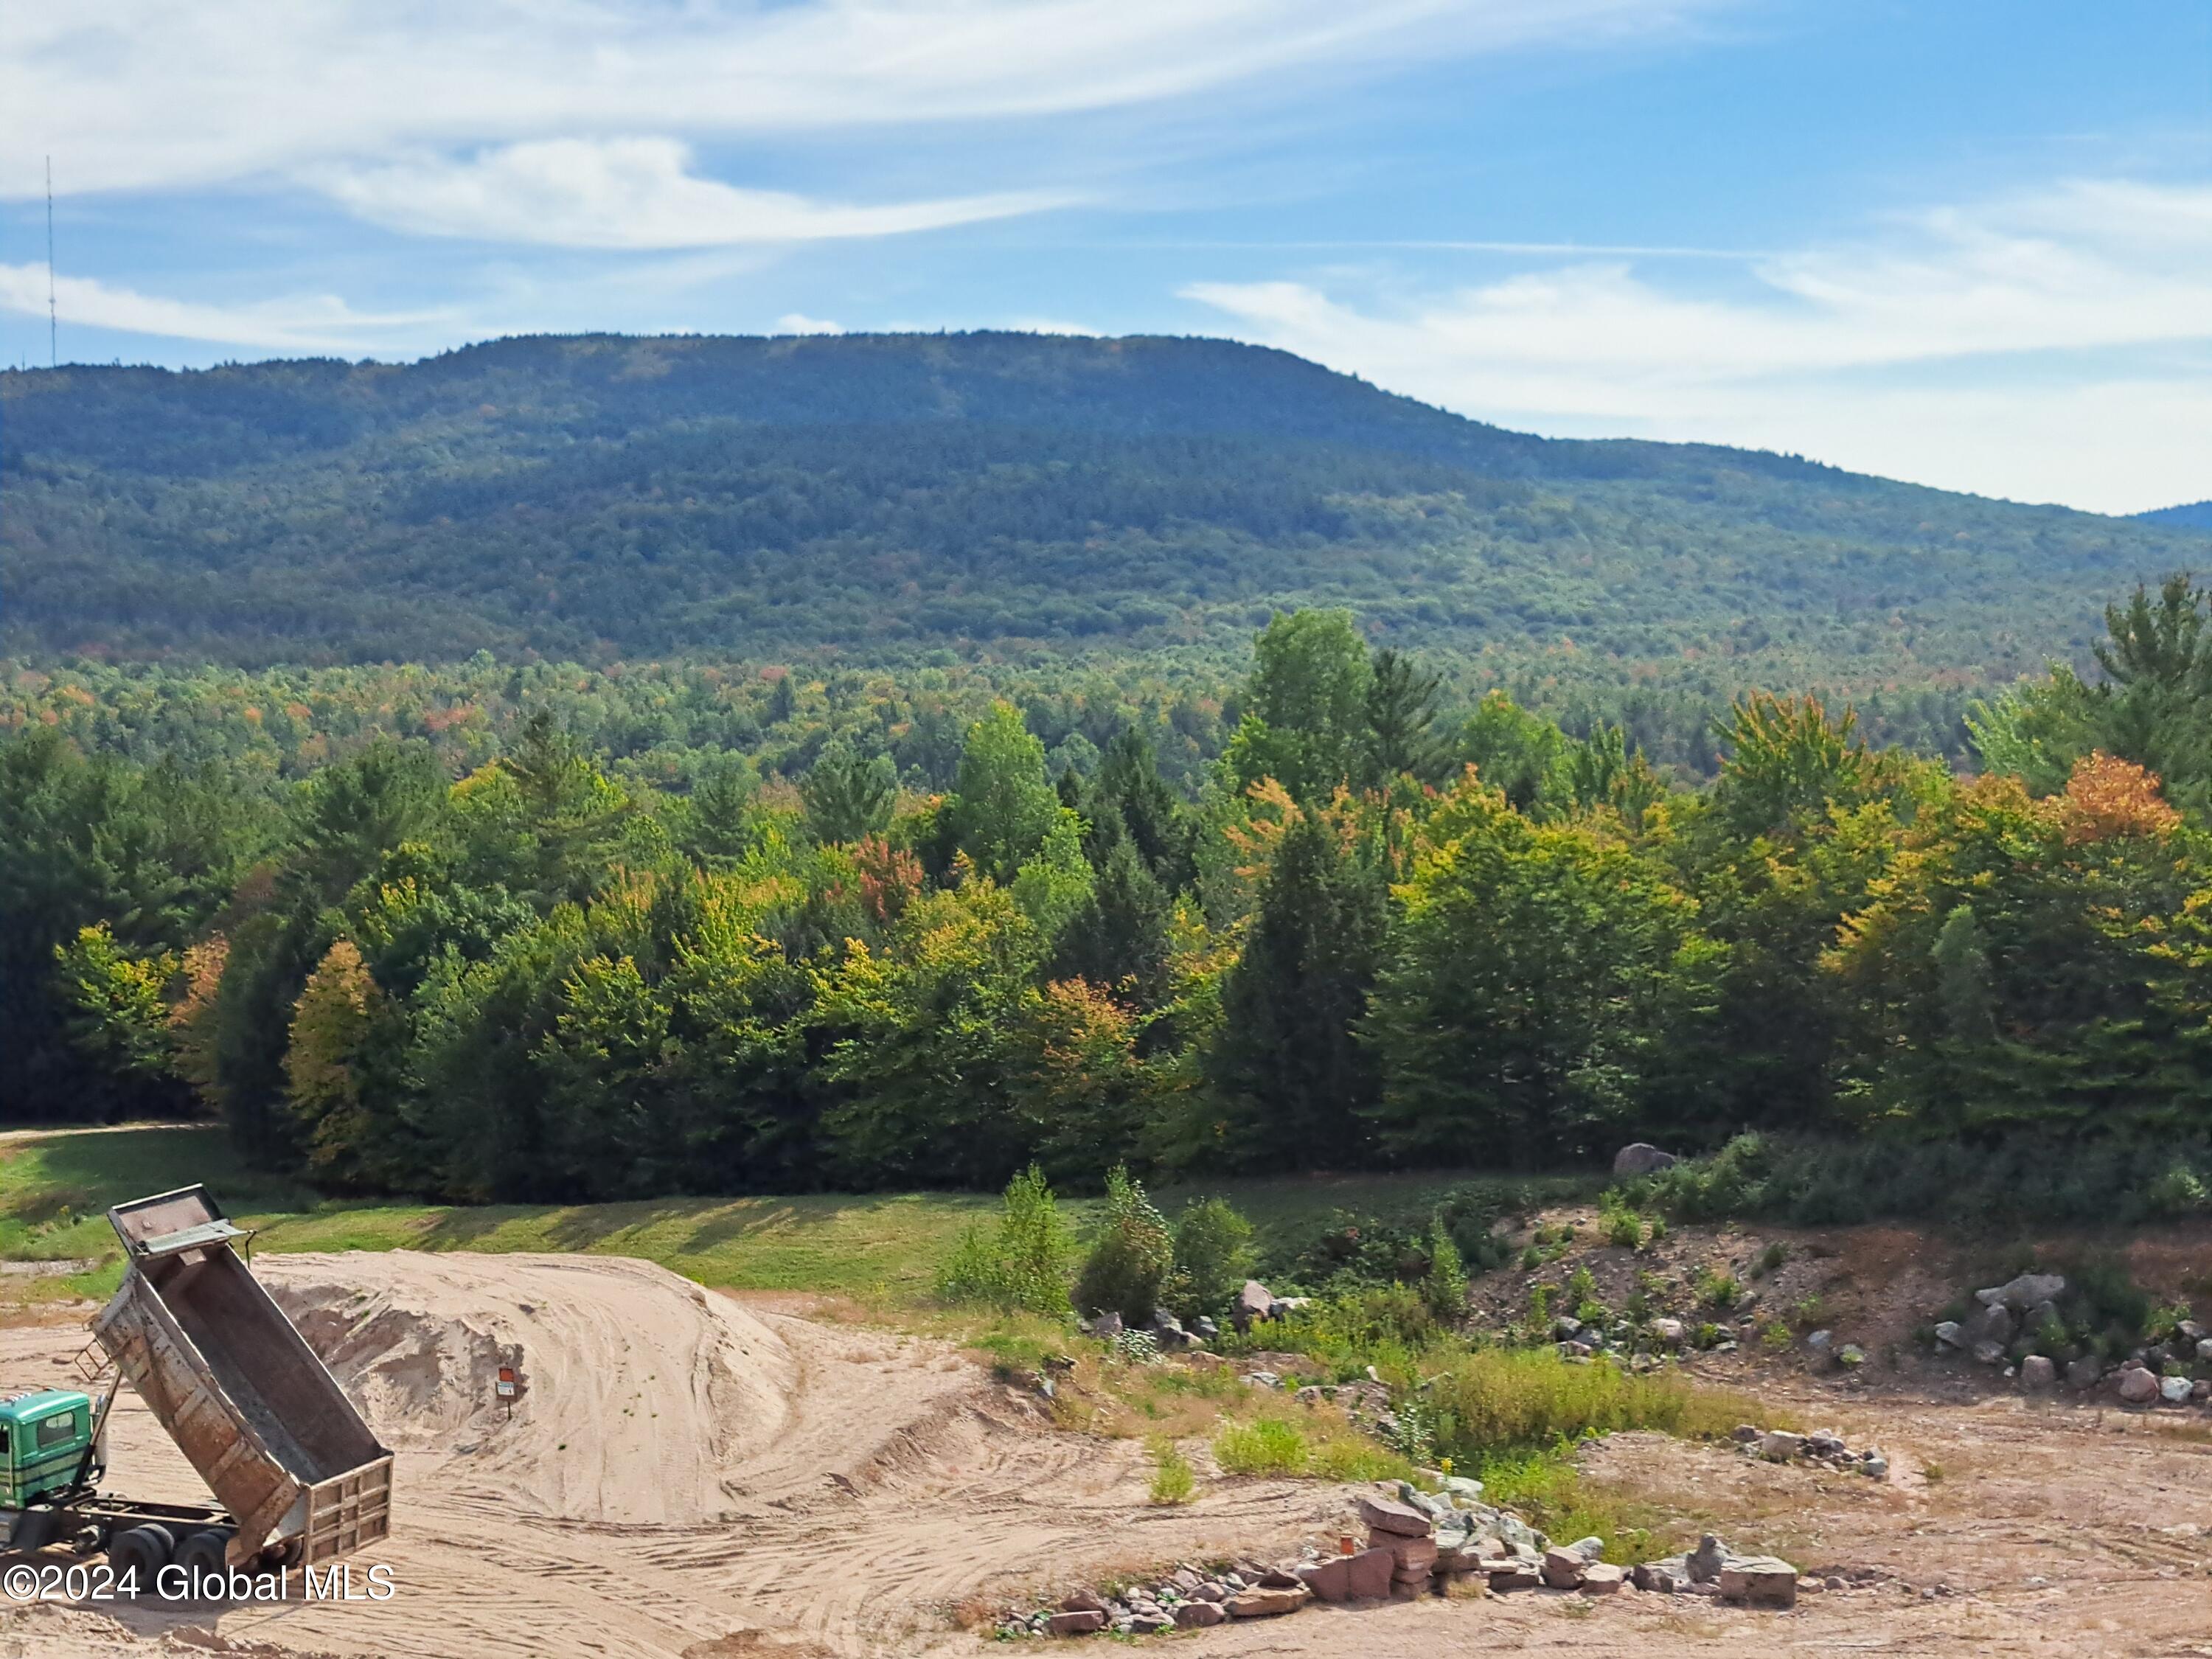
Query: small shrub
{"x": 1531, "y": 1259}
{"x": 1775, "y": 1338}
{"x": 1173, "y": 1480}
{"x": 1023, "y": 1265}
{"x": 1212, "y": 1258}
{"x": 2178, "y": 1192}
{"x": 1352, "y": 1459}
{"x": 1718, "y": 1290}
{"x": 1771, "y": 1258}
{"x": 1268, "y": 1446}
{"x": 1444, "y": 1288}
{"x": 1127, "y": 1268}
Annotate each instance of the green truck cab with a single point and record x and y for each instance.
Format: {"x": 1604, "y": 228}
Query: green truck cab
{"x": 43, "y": 1438}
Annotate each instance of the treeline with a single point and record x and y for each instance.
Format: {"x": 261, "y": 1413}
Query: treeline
{"x": 1367, "y": 937}
{"x": 662, "y": 725}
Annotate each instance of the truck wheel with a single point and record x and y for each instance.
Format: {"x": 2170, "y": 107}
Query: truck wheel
{"x": 202, "y": 1553}
{"x": 143, "y": 1550}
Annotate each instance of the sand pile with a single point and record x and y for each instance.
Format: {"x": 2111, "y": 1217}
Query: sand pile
{"x": 639, "y": 1395}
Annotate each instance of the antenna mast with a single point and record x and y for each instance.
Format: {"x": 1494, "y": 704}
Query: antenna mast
{"x": 53, "y": 350}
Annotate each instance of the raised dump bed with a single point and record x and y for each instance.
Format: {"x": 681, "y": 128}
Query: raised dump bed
{"x": 239, "y": 1390}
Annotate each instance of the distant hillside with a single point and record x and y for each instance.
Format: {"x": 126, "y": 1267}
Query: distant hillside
{"x": 2193, "y": 515}
{"x": 877, "y": 497}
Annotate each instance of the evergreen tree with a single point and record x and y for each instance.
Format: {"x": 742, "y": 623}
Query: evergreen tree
{"x": 1291, "y": 1072}
{"x": 848, "y": 796}
{"x": 1401, "y": 717}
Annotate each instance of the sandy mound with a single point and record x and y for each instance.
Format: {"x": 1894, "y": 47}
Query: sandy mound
{"x": 639, "y": 1397}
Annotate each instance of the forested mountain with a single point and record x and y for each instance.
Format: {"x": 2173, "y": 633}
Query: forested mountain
{"x": 600, "y": 499}
{"x": 2192, "y": 515}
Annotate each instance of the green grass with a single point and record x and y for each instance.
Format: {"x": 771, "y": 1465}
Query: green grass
{"x": 54, "y": 1194}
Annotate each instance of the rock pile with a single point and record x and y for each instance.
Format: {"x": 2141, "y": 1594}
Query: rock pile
{"x": 2024, "y": 1311}
{"x": 1418, "y": 1542}
{"x": 1822, "y": 1446}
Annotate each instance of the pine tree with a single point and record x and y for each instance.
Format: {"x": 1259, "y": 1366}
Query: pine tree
{"x": 1291, "y": 1070}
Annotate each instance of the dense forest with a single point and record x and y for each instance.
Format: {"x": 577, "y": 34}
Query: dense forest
{"x": 1006, "y": 501}
{"x": 1341, "y": 930}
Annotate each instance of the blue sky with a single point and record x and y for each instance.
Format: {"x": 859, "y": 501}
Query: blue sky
{"x": 1966, "y": 242}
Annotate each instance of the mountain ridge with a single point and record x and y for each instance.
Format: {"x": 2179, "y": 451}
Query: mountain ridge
{"x": 602, "y": 496}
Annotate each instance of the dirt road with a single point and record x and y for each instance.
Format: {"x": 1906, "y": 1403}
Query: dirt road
{"x": 689, "y": 1476}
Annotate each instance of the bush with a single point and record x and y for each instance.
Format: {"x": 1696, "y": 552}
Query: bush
{"x": 1024, "y": 1266}
{"x": 2028, "y": 1179}
{"x": 1173, "y": 1480}
{"x": 1269, "y": 1446}
{"x": 1501, "y": 1400}
{"x": 1212, "y": 1258}
{"x": 1128, "y": 1268}
{"x": 1444, "y": 1291}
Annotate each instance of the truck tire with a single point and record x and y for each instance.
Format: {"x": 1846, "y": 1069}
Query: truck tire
{"x": 143, "y": 1550}
{"x": 202, "y": 1553}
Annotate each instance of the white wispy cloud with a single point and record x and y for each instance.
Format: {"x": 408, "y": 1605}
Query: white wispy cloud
{"x": 633, "y": 193}
{"x": 139, "y": 95}
{"x": 318, "y": 323}
{"x": 2055, "y": 288}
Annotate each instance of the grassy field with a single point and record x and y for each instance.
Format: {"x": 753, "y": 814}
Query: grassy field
{"x": 55, "y": 1190}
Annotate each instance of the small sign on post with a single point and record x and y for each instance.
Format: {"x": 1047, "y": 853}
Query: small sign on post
{"x": 504, "y": 1388}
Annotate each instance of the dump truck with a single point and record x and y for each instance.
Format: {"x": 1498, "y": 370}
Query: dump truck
{"x": 297, "y": 1477}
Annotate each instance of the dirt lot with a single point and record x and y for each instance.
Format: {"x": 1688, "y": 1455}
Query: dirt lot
{"x": 694, "y": 1475}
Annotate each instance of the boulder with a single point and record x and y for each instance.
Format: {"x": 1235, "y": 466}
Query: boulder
{"x": 1516, "y": 1575}
{"x": 1413, "y": 1557}
{"x": 1168, "y": 1331}
{"x": 1668, "y": 1331}
{"x": 1779, "y": 1445}
{"x": 2024, "y": 1292}
{"x": 1075, "y": 1624}
{"x": 1602, "y": 1578}
{"x": 1565, "y": 1565}
{"x": 1083, "y": 1602}
{"x": 1150, "y": 1624}
{"x": 1106, "y": 1327}
{"x": 2037, "y": 1371}
{"x": 1401, "y": 1520}
{"x": 2137, "y": 1386}
{"x": 2039, "y": 1317}
{"x": 1369, "y": 1579}
{"x": 1875, "y": 1467}
{"x": 1640, "y": 1158}
{"x": 1668, "y": 1578}
{"x": 1988, "y": 1354}
{"x": 1705, "y": 1563}
{"x": 1950, "y": 1334}
{"x": 1760, "y": 1581}
{"x": 2084, "y": 1373}
{"x": 1329, "y": 1580}
{"x": 2204, "y": 1351}
{"x": 1993, "y": 1322}
{"x": 2174, "y": 1390}
{"x": 1254, "y": 1302}
{"x": 1197, "y": 1615}
{"x": 1204, "y": 1328}
{"x": 1276, "y": 1578}
{"x": 1266, "y": 1603}
{"x": 1745, "y": 1434}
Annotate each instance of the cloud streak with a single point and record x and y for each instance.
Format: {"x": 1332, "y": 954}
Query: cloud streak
{"x": 2043, "y": 288}
{"x": 627, "y": 193}
{"x": 316, "y": 322}
{"x": 146, "y": 94}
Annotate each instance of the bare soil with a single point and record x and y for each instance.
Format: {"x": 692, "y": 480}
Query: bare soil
{"x": 689, "y": 1475}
